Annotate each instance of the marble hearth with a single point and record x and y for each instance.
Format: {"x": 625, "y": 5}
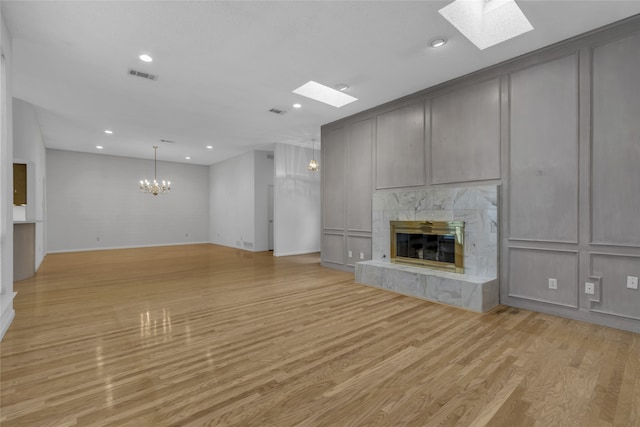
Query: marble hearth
{"x": 477, "y": 289}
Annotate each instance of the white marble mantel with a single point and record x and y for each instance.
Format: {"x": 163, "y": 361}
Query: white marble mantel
{"x": 476, "y": 289}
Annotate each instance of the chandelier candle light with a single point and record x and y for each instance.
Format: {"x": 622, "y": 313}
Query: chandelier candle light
{"x": 154, "y": 187}
{"x": 313, "y": 165}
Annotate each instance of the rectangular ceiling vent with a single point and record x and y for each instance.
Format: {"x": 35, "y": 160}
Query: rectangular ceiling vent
{"x": 168, "y": 140}
{"x": 147, "y": 76}
{"x": 277, "y": 111}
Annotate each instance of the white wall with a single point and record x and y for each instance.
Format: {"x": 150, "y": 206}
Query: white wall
{"x": 6, "y": 184}
{"x": 296, "y": 201}
{"x": 232, "y": 202}
{"x": 28, "y": 147}
{"x": 263, "y": 179}
{"x": 94, "y": 202}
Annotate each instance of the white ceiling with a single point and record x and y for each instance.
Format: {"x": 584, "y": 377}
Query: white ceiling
{"x": 222, "y": 65}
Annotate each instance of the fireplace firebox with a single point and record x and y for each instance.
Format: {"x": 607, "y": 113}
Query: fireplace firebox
{"x": 432, "y": 244}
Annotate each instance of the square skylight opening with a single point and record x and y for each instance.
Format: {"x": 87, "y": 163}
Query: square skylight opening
{"x": 325, "y": 94}
{"x": 487, "y": 22}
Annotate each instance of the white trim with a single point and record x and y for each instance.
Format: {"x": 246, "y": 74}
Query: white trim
{"x": 107, "y": 248}
{"x": 8, "y": 313}
{"x": 317, "y": 251}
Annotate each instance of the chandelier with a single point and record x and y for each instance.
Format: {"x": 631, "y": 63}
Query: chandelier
{"x": 154, "y": 187}
{"x": 313, "y": 164}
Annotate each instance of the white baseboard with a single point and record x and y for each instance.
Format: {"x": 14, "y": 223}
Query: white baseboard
{"x": 108, "y": 248}
{"x": 315, "y": 251}
{"x": 8, "y": 314}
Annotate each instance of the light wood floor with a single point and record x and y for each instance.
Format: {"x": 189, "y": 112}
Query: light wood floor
{"x": 204, "y": 335}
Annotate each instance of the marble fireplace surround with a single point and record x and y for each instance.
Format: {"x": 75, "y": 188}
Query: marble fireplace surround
{"x": 477, "y": 289}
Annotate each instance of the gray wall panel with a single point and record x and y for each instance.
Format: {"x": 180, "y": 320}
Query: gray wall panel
{"x": 531, "y": 269}
{"x": 616, "y": 143}
{"x": 559, "y": 129}
{"x": 333, "y": 169}
{"x": 359, "y": 175}
{"x": 543, "y": 200}
{"x": 333, "y": 248}
{"x": 400, "y": 147}
{"x": 465, "y": 135}
{"x": 615, "y": 297}
{"x": 358, "y": 245}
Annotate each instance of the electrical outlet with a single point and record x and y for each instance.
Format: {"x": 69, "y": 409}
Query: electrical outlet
{"x": 553, "y": 284}
{"x": 632, "y": 282}
{"x": 589, "y": 288}
{"x": 361, "y": 255}
{"x": 350, "y": 254}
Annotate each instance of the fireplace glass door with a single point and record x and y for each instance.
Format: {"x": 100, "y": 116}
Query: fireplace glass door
{"x": 434, "y": 244}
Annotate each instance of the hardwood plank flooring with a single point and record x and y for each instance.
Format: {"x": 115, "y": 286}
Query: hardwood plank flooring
{"x": 202, "y": 335}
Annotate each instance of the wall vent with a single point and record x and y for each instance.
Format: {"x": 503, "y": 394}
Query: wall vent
{"x": 147, "y": 76}
{"x": 277, "y": 111}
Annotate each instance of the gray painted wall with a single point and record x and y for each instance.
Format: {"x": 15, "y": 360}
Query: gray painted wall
{"x": 296, "y": 221}
{"x": 93, "y": 202}
{"x": 559, "y": 130}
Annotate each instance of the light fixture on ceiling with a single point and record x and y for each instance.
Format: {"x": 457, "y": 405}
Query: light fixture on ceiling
{"x": 322, "y": 93}
{"x": 487, "y": 22}
{"x": 439, "y": 42}
{"x": 155, "y": 187}
{"x": 341, "y": 87}
{"x": 187, "y": 158}
{"x": 146, "y": 58}
{"x": 99, "y": 147}
{"x": 209, "y": 147}
{"x": 297, "y": 105}
{"x": 108, "y": 132}
{"x": 313, "y": 164}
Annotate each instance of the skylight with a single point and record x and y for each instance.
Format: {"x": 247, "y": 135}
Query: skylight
{"x": 487, "y": 22}
{"x": 324, "y": 94}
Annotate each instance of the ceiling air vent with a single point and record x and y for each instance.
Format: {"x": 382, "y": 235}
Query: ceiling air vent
{"x": 147, "y": 76}
{"x": 277, "y": 111}
{"x": 168, "y": 140}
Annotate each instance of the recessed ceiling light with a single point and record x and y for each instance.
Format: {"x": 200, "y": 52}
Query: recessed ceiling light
{"x": 438, "y": 42}
{"x": 342, "y": 87}
{"x": 487, "y": 23}
{"x": 187, "y": 158}
{"x": 108, "y": 132}
{"x": 322, "y": 93}
{"x": 146, "y": 58}
{"x": 297, "y": 105}
{"x": 99, "y": 147}
{"x": 210, "y": 147}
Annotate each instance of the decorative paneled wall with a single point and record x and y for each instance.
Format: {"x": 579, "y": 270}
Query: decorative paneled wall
{"x": 347, "y": 186}
{"x": 616, "y": 143}
{"x": 400, "y": 147}
{"x": 465, "y": 136}
{"x": 543, "y": 165}
{"x": 530, "y": 270}
{"x": 559, "y": 130}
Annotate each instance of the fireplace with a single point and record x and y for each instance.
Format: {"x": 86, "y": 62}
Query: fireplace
{"x": 432, "y": 244}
